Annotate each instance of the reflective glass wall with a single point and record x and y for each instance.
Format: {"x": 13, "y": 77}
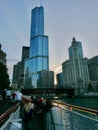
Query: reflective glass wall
{"x": 38, "y": 57}
{"x": 37, "y": 21}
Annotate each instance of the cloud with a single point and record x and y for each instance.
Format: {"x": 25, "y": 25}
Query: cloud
{"x": 57, "y": 69}
{"x": 10, "y": 63}
{"x": 11, "y": 60}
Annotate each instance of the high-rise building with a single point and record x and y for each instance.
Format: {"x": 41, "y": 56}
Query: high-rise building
{"x": 39, "y": 58}
{"x": 18, "y": 69}
{"x": 37, "y": 22}
{"x": 38, "y": 41}
{"x": 75, "y": 50}
{"x": 2, "y": 56}
{"x": 15, "y": 76}
{"x": 45, "y": 79}
{"x": 59, "y": 77}
{"x": 75, "y": 70}
{"x": 93, "y": 70}
{"x": 25, "y": 52}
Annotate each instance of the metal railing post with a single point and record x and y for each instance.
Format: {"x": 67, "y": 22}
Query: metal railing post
{"x": 52, "y": 120}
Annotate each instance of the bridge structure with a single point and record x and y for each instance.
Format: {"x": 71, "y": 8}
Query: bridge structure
{"x": 68, "y": 91}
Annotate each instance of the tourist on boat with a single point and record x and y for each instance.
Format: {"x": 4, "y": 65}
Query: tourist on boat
{"x": 13, "y": 96}
{"x": 18, "y": 97}
{"x": 41, "y": 105}
{"x": 34, "y": 112}
{"x": 27, "y": 114}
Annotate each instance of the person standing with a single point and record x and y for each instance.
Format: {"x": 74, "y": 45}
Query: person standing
{"x": 18, "y": 96}
{"x": 27, "y": 115}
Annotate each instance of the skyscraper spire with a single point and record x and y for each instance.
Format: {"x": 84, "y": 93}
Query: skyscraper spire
{"x": 41, "y": 2}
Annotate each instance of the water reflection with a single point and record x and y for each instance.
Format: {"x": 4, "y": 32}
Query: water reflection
{"x": 66, "y": 120}
{"x": 91, "y": 103}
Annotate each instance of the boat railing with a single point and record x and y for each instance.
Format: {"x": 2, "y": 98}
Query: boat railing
{"x": 11, "y": 118}
{"x": 62, "y": 116}
{"x": 74, "y": 107}
{"x": 71, "y": 117}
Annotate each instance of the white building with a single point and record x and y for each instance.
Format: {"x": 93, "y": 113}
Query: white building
{"x": 75, "y": 70}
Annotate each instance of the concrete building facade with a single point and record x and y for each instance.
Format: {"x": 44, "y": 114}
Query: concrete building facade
{"x": 46, "y": 79}
{"x": 93, "y": 70}
{"x": 59, "y": 78}
{"x": 75, "y": 70}
{"x": 18, "y": 70}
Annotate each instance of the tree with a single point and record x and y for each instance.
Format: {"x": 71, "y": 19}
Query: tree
{"x": 90, "y": 87}
{"x": 4, "y": 77}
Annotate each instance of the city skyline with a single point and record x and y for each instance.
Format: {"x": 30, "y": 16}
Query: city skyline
{"x": 63, "y": 20}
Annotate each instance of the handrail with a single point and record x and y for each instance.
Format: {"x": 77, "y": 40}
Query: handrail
{"x": 8, "y": 112}
{"x": 92, "y": 111}
{"x": 52, "y": 120}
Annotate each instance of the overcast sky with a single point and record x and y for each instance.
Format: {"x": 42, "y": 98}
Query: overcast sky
{"x": 63, "y": 20}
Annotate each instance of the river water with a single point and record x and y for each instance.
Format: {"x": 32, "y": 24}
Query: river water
{"x": 66, "y": 120}
{"x": 91, "y": 103}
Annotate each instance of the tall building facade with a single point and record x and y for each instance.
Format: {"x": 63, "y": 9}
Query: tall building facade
{"x": 59, "y": 78}
{"x": 75, "y": 70}
{"x": 75, "y": 50}
{"x": 25, "y": 52}
{"x": 93, "y": 70}
{"x": 2, "y": 56}
{"x": 18, "y": 70}
{"x": 38, "y": 58}
{"x": 46, "y": 79}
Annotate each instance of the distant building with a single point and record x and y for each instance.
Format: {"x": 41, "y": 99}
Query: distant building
{"x": 93, "y": 70}
{"x": 18, "y": 70}
{"x": 75, "y": 70}
{"x": 60, "y": 80}
{"x": 37, "y": 65}
{"x": 2, "y": 56}
{"x": 18, "y": 75}
{"x": 45, "y": 79}
{"x": 15, "y": 76}
{"x": 25, "y": 53}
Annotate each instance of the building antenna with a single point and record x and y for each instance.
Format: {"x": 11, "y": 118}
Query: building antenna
{"x": 41, "y": 2}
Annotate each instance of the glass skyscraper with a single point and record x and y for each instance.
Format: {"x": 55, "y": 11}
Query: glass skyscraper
{"x": 38, "y": 58}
